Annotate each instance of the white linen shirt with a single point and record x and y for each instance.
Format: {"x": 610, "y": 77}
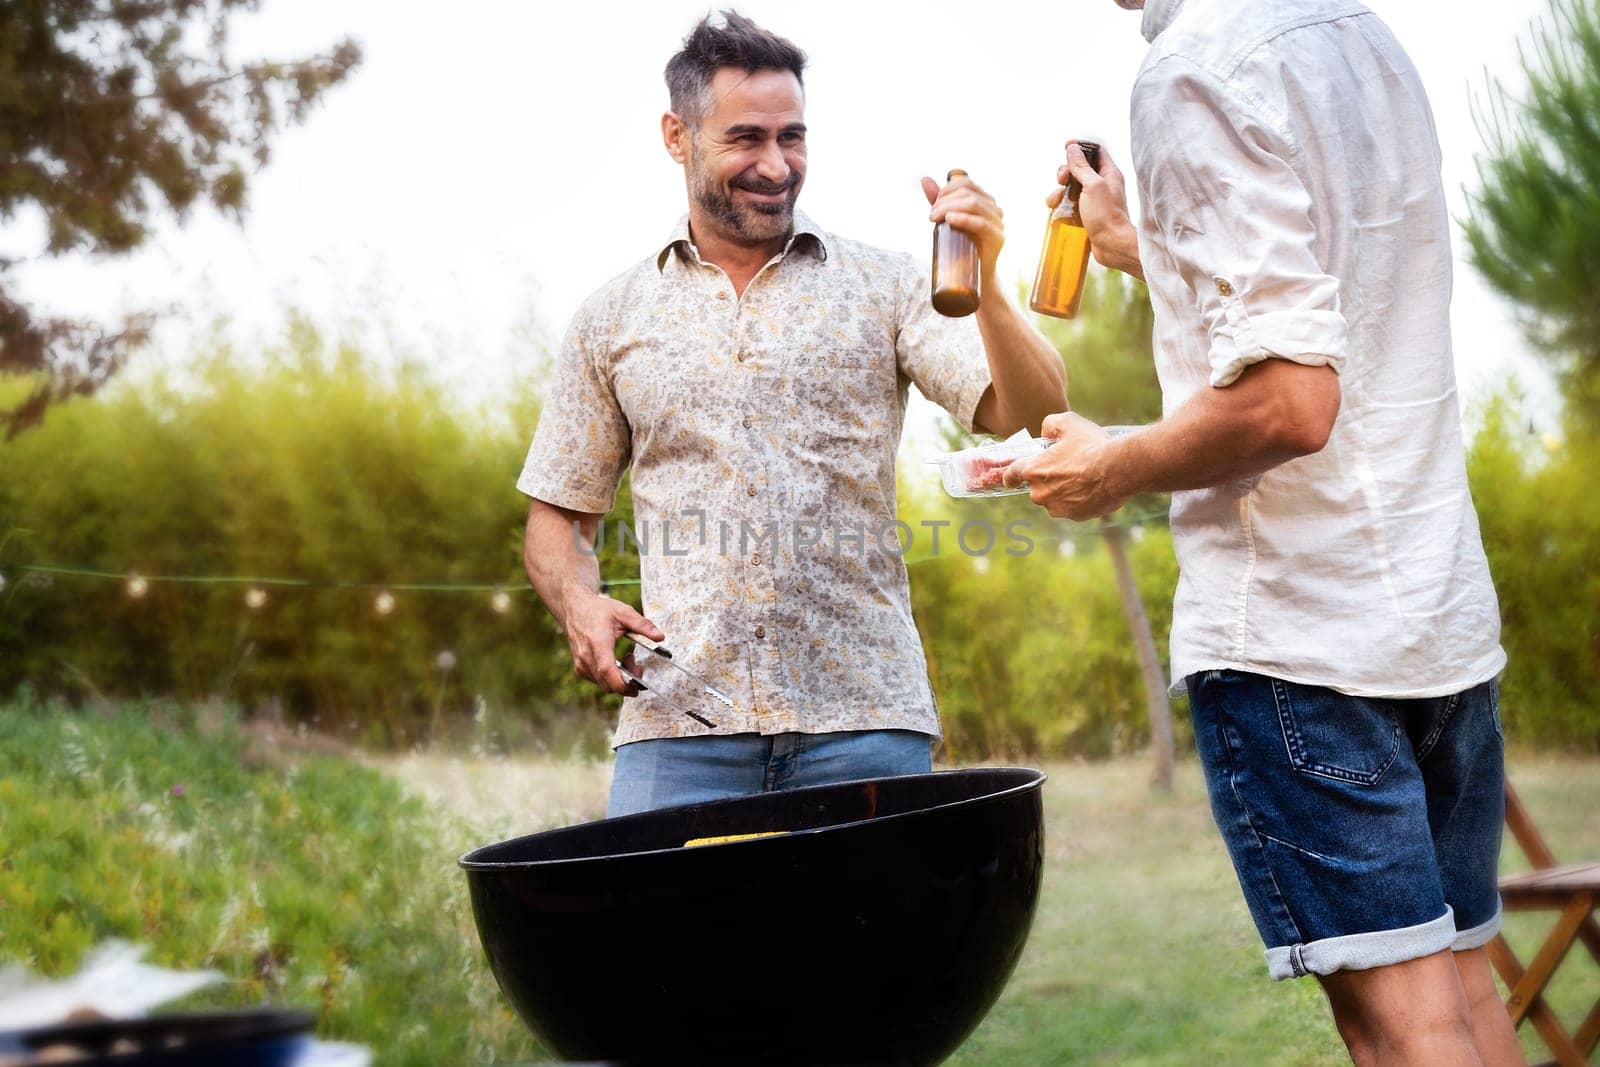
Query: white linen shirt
{"x": 1293, "y": 209}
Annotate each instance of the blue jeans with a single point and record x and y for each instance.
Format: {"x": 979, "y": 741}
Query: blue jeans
{"x": 688, "y": 770}
{"x": 1364, "y": 831}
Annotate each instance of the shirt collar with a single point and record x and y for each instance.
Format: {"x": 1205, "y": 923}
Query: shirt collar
{"x": 1158, "y": 15}
{"x": 814, "y": 239}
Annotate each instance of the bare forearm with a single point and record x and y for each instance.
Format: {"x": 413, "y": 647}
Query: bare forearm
{"x": 1029, "y": 381}
{"x": 1275, "y": 412}
{"x": 567, "y": 579}
{"x": 1118, "y": 248}
{"x": 558, "y": 569}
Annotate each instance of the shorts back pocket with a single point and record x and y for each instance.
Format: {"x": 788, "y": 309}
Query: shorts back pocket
{"x": 1334, "y": 735}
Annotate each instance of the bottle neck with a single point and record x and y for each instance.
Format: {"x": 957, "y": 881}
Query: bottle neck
{"x": 1067, "y": 210}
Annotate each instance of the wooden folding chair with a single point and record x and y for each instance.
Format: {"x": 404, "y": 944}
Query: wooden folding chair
{"x": 1573, "y": 891}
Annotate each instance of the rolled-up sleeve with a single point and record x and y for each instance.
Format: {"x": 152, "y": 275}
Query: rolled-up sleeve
{"x": 944, "y": 357}
{"x": 1217, "y": 179}
{"x": 581, "y": 445}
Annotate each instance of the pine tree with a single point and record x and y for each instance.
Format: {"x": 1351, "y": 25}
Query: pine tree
{"x": 1534, "y": 226}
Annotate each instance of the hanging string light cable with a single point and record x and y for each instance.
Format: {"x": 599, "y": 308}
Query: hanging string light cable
{"x": 497, "y": 589}
{"x": 137, "y": 585}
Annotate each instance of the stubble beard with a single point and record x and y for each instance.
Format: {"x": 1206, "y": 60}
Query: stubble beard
{"x": 751, "y": 222}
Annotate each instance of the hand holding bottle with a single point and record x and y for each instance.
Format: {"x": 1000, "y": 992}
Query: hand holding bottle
{"x": 969, "y": 209}
{"x": 1064, "y": 259}
{"x": 1103, "y": 208}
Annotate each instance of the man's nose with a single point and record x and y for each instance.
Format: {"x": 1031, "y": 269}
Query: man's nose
{"x": 771, "y": 165}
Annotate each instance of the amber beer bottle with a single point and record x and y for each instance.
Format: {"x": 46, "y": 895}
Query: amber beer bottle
{"x": 1058, "y": 285}
{"x": 955, "y": 267}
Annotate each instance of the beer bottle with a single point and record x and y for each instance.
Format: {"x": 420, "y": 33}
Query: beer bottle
{"x": 1058, "y": 285}
{"x": 955, "y": 267}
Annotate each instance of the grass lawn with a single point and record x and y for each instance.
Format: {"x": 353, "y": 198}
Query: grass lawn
{"x": 313, "y": 876}
{"x": 1142, "y": 951}
{"x": 306, "y": 878}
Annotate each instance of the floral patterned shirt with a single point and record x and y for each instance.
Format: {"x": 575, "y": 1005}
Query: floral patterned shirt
{"x": 762, "y": 431}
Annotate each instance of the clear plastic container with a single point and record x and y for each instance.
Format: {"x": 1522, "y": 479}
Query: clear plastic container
{"x": 980, "y": 471}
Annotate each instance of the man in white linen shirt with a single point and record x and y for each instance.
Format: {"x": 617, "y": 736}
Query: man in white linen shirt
{"x": 1334, "y": 624}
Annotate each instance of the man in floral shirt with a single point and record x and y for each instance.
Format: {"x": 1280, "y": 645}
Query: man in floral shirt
{"x": 753, "y": 370}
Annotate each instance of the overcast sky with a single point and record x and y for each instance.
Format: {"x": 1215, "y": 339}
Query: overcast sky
{"x": 491, "y": 163}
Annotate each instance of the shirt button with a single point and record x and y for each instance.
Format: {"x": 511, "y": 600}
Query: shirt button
{"x": 722, "y": 294}
{"x": 748, "y": 422}
{"x": 761, "y": 631}
{"x": 755, "y": 561}
{"x": 1225, "y": 288}
{"x": 751, "y": 490}
{"x": 743, "y": 356}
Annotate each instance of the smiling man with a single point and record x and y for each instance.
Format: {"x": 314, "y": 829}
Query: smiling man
{"x": 753, "y": 369}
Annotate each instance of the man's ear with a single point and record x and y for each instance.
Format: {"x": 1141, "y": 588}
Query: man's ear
{"x": 675, "y": 135}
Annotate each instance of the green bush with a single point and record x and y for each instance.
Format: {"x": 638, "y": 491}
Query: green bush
{"x": 1030, "y": 654}
{"x": 305, "y": 464}
{"x": 1540, "y": 518}
{"x": 318, "y": 465}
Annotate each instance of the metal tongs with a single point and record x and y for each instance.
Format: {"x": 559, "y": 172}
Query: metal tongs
{"x": 697, "y": 685}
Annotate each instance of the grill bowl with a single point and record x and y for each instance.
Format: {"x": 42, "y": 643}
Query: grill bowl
{"x": 879, "y": 930}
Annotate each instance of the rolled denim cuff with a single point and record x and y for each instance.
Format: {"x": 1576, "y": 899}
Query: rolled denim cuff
{"x": 1479, "y": 935}
{"x": 1360, "y": 952}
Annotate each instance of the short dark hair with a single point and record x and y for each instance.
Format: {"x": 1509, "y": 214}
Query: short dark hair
{"x": 738, "y": 42}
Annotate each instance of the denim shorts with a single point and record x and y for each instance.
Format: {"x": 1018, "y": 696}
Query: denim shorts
{"x": 1365, "y": 831}
{"x": 688, "y": 770}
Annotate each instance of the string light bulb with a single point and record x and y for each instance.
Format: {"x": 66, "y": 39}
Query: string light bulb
{"x": 445, "y": 661}
{"x": 137, "y": 586}
{"x": 500, "y": 602}
{"x": 383, "y": 603}
{"x": 256, "y": 598}
{"x": 2, "y": 582}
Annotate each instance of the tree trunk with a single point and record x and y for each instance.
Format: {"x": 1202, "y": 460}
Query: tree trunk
{"x": 1155, "y": 680}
